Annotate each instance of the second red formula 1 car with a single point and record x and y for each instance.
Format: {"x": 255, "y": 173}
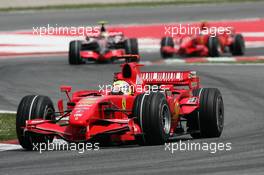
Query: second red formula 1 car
{"x": 203, "y": 44}
{"x": 146, "y": 107}
{"x": 103, "y": 47}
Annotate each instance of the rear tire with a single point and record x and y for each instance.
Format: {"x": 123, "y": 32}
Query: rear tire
{"x": 238, "y": 46}
{"x": 213, "y": 46}
{"x": 131, "y": 48}
{"x": 154, "y": 117}
{"x": 209, "y": 118}
{"x": 74, "y": 52}
{"x": 166, "y": 42}
{"x": 33, "y": 107}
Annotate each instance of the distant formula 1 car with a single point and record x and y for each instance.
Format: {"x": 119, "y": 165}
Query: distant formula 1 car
{"x": 146, "y": 107}
{"x": 104, "y": 47}
{"x": 203, "y": 44}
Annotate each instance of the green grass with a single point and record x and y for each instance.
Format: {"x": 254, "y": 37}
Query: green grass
{"x": 7, "y": 127}
{"x": 114, "y": 5}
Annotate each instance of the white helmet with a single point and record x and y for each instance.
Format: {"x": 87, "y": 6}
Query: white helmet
{"x": 121, "y": 86}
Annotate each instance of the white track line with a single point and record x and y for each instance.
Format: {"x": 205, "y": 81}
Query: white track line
{"x": 9, "y": 147}
{"x": 15, "y": 43}
{"x": 7, "y": 112}
{"x": 6, "y": 147}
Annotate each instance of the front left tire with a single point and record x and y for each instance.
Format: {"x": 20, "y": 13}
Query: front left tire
{"x": 154, "y": 117}
{"x": 208, "y": 120}
{"x": 33, "y": 107}
{"x": 74, "y": 52}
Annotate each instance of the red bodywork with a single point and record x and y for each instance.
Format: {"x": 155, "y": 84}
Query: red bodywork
{"x": 109, "y": 48}
{"x": 93, "y": 113}
{"x": 107, "y": 56}
{"x": 197, "y": 45}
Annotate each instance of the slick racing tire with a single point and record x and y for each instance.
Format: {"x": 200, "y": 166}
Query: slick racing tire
{"x": 33, "y": 107}
{"x": 131, "y": 48}
{"x": 74, "y": 52}
{"x": 166, "y": 41}
{"x": 208, "y": 120}
{"x": 237, "y": 48}
{"x": 213, "y": 46}
{"x": 154, "y": 118}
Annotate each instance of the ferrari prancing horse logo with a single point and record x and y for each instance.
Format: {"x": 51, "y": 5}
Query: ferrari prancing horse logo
{"x": 176, "y": 110}
{"x": 123, "y": 103}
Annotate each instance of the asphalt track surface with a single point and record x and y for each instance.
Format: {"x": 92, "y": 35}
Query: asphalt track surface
{"x": 241, "y": 86}
{"x": 134, "y": 15}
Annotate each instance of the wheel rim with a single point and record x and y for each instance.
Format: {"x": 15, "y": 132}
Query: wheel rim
{"x": 48, "y": 113}
{"x": 219, "y": 114}
{"x": 166, "y": 119}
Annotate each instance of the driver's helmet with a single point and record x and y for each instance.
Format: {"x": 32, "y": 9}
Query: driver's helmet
{"x": 121, "y": 87}
{"x": 204, "y": 25}
{"x": 103, "y": 34}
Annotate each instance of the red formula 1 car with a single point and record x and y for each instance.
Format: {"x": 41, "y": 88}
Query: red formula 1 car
{"x": 104, "y": 47}
{"x": 156, "y": 107}
{"x": 204, "y": 44}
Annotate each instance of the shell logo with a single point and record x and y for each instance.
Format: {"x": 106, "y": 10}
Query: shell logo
{"x": 123, "y": 103}
{"x": 176, "y": 110}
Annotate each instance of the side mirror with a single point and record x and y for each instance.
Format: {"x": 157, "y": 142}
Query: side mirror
{"x": 66, "y": 89}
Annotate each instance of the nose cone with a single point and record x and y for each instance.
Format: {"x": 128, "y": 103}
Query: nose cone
{"x": 84, "y": 110}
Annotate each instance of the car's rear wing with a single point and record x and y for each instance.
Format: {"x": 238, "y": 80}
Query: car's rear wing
{"x": 132, "y": 74}
{"x": 184, "y": 78}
